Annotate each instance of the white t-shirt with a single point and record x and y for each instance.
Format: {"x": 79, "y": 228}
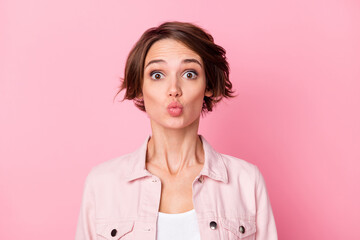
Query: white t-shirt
{"x": 178, "y": 226}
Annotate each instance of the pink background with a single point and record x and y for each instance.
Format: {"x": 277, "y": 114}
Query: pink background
{"x": 294, "y": 64}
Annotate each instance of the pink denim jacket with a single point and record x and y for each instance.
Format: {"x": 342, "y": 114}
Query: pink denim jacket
{"x": 121, "y": 199}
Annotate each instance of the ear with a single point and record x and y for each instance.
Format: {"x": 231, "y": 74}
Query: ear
{"x": 208, "y": 93}
{"x": 140, "y": 96}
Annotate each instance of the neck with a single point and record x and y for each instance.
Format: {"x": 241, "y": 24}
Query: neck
{"x": 175, "y": 150}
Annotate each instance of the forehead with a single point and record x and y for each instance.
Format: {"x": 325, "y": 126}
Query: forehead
{"x": 170, "y": 49}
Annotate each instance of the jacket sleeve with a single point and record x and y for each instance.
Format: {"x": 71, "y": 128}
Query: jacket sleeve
{"x": 86, "y": 221}
{"x": 265, "y": 222}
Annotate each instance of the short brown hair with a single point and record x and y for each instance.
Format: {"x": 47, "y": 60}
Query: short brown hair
{"x": 195, "y": 38}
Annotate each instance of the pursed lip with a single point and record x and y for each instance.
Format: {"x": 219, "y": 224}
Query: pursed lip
{"x": 175, "y": 105}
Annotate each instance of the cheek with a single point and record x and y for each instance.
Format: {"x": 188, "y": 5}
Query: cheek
{"x": 196, "y": 99}
{"x": 152, "y": 99}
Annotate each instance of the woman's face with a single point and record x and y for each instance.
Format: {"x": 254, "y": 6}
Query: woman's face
{"x": 173, "y": 73}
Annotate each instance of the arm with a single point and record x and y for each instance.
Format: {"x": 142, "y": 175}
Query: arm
{"x": 265, "y": 229}
{"x": 86, "y": 228}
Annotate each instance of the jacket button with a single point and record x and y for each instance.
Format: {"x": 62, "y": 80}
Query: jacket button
{"x": 113, "y": 232}
{"x": 242, "y": 229}
{"x": 213, "y": 225}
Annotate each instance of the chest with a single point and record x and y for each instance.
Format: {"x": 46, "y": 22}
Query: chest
{"x": 176, "y": 191}
{"x": 133, "y": 212}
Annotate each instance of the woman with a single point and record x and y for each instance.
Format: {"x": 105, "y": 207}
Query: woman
{"x": 176, "y": 186}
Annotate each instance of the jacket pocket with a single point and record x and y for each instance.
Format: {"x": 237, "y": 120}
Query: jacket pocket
{"x": 238, "y": 228}
{"x": 114, "y": 230}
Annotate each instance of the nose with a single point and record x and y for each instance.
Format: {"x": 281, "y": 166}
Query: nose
{"x": 174, "y": 93}
{"x": 174, "y": 88}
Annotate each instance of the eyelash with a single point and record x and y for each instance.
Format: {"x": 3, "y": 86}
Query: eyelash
{"x": 192, "y": 71}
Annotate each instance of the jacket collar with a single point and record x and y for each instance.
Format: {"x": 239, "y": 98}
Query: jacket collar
{"x": 214, "y": 166}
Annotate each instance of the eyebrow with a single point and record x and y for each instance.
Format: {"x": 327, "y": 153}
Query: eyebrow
{"x": 187, "y": 60}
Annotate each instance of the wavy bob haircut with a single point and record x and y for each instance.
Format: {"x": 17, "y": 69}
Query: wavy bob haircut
{"x": 195, "y": 38}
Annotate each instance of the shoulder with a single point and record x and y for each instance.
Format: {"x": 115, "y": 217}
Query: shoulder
{"x": 114, "y": 167}
{"x": 239, "y": 165}
{"x": 238, "y": 168}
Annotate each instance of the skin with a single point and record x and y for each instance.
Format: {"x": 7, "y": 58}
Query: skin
{"x": 174, "y": 152}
